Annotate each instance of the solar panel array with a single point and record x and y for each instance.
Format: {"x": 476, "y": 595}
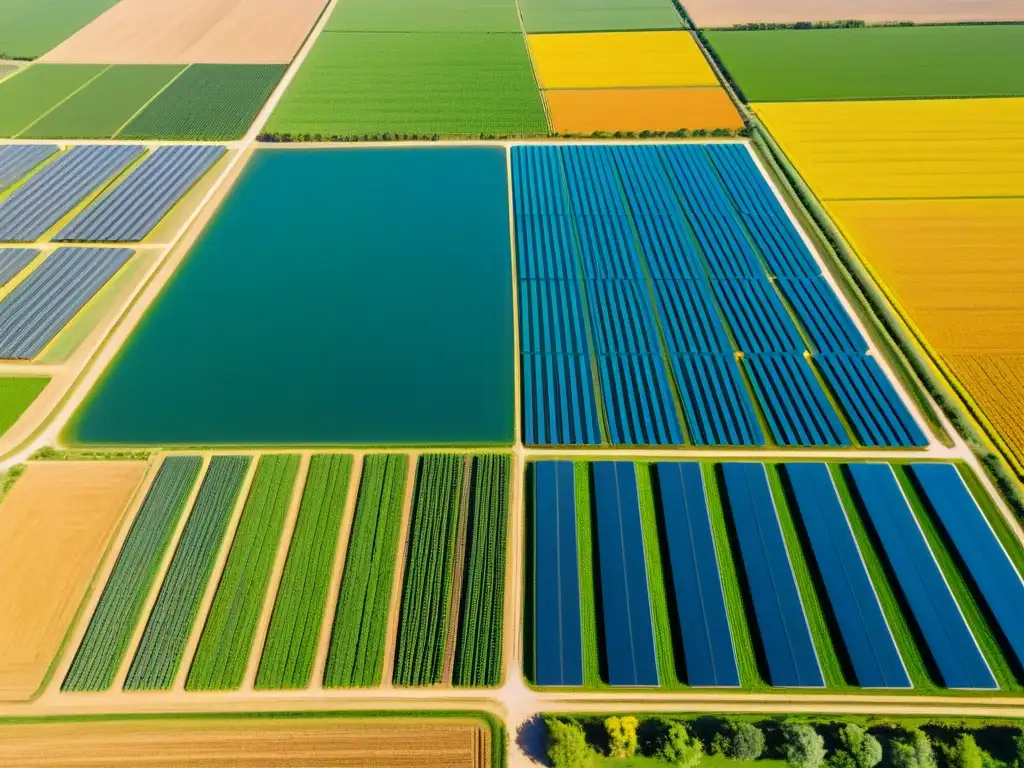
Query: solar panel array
{"x": 13, "y": 260}
{"x": 16, "y": 160}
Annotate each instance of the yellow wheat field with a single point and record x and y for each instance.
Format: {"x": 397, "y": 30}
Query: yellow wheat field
{"x": 996, "y": 384}
{"x": 619, "y": 60}
{"x": 903, "y": 149}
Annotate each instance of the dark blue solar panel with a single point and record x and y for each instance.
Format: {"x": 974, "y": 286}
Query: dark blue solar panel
{"x": 781, "y": 621}
{"x": 984, "y": 557}
{"x": 625, "y": 601}
{"x": 945, "y": 631}
{"x": 865, "y": 633}
{"x": 558, "y": 638}
{"x": 695, "y": 581}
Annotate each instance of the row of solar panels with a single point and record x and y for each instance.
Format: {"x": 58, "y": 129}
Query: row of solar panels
{"x": 693, "y": 583}
{"x": 125, "y": 213}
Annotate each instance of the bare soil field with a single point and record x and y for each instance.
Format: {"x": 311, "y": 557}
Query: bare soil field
{"x": 193, "y": 32}
{"x": 727, "y": 13}
{"x": 249, "y": 743}
{"x": 55, "y": 525}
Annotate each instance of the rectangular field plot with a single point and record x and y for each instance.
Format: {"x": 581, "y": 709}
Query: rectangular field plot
{"x": 625, "y": 600}
{"x": 162, "y": 645}
{"x": 598, "y": 15}
{"x": 946, "y": 633}
{"x": 654, "y": 263}
{"x": 131, "y": 211}
{"x": 421, "y": 84}
{"x": 37, "y": 309}
{"x": 48, "y": 196}
{"x": 986, "y": 561}
{"x": 17, "y": 160}
{"x": 387, "y": 284}
{"x": 31, "y": 93}
{"x": 697, "y": 586}
{"x": 491, "y": 16}
{"x": 865, "y": 633}
{"x": 558, "y": 640}
{"x": 120, "y": 606}
{"x": 728, "y": 13}
{"x": 30, "y": 28}
{"x": 781, "y": 621}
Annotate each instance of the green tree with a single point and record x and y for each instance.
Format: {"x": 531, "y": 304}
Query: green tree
{"x": 622, "y": 739}
{"x": 567, "y": 745}
{"x": 802, "y": 746}
{"x": 965, "y": 753}
{"x": 915, "y": 752}
{"x": 745, "y": 741}
{"x": 841, "y": 759}
{"x": 1018, "y": 749}
{"x": 864, "y": 748}
{"x": 679, "y": 748}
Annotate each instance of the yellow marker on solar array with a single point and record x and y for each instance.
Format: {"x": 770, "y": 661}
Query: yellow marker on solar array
{"x": 619, "y": 60}
{"x": 903, "y": 149}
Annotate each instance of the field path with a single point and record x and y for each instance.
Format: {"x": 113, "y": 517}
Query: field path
{"x": 458, "y": 574}
{"x": 276, "y": 572}
{"x": 395, "y": 607}
{"x": 323, "y": 645}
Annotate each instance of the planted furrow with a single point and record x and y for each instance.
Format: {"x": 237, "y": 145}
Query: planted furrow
{"x": 106, "y": 639}
{"x": 223, "y": 651}
{"x": 287, "y": 658}
{"x": 356, "y": 654}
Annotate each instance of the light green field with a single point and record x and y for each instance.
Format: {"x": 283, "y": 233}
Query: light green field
{"x": 356, "y": 84}
{"x": 30, "y": 28}
{"x": 31, "y": 93}
{"x": 104, "y": 105}
{"x": 424, "y": 16}
{"x": 598, "y": 15}
{"x": 16, "y": 395}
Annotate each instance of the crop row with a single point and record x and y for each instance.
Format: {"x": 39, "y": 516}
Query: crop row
{"x": 423, "y": 624}
{"x": 478, "y": 653}
{"x": 224, "y": 647}
{"x": 287, "y": 660}
{"x": 106, "y": 638}
{"x": 356, "y": 655}
{"x": 163, "y": 642}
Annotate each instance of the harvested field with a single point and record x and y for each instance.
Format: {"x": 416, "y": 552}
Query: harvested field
{"x": 193, "y": 31}
{"x": 903, "y": 149}
{"x": 29, "y": 28}
{"x": 640, "y": 109}
{"x": 36, "y": 90}
{"x": 619, "y": 60}
{"x": 262, "y": 742}
{"x": 881, "y": 63}
{"x": 726, "y": 13}
{"x": 458, "y": 84}
{"x": 16, "y": 395}
{"x": 55, "y": 524}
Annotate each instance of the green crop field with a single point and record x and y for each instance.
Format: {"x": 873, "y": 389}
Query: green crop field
{"x": 598, "y": 15}
{"x": 226, "y": 642}
{"x": 356, "y": 655}
{"x": 106, "y": 639}
{"x": 874, "y": 63}
{"x": 287, "y": 660}
{"x": 479, "y": 646}
{"x": 16, "y": 395}
{"x": 167, "y": 631}
{"x": 30, "y": 28}
{"x": 426, "y": 596}
{"x": 34, "y": 91}
{"x": 100, "y": 109}
{"x": 424, "y": 16}
{"x": 212, "y": 102}
{"x": 354, "y": 84}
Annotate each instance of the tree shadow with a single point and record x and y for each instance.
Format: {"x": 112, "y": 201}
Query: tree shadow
{"x": 532, "y": 740}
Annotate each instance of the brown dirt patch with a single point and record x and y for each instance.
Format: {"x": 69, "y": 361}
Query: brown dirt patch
{"x": 193, "y": 32}
{"x": 248, "y": 743}
{"x": 726, "y": 13}
{"x": 55, "y": 525}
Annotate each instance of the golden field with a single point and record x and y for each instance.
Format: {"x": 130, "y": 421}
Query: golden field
{"x": 587, "y": 110}
{"x": 619, "y": 60}
{"x": 956, "y": 268}
{"x": 903, "y": 149}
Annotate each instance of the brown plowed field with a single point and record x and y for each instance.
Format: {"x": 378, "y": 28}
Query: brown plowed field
{"x": 590, "y": 110}
{"x": 726, "y": 13}
{"x": 55, "y": 525}
{"x": 193, "y": 32}
{"x": 248, "y": 743}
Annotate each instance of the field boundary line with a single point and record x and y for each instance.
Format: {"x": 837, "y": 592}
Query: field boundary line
{"x": 517, "y": 343}
{"x": 151, "y": 99}
{"x": 515, "y": 556}
{"x": 158, "y": 579}
{"x": 454, "y": 617}
{"x": 77, "y": 90}
{"x": 259, "y": 639}
{"x": 533, "y": 68}
{"x": 76, "y": 631}
{"x": 330, "y": 607}
{"x": 395, "y": 604}
{"x": 213, "y": 582}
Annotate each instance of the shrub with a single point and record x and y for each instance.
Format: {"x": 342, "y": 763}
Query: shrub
{"x": 965, "y": 753}
{"x": 803, "y": 746}
{"x": 567, "y": 745}
{"x": 744, "y": 741}
{"x": 622, "y": 739}
{"x": 679, "y": 748}
{"x": 861, "y": 746}
{"x": 916, "y": 752}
